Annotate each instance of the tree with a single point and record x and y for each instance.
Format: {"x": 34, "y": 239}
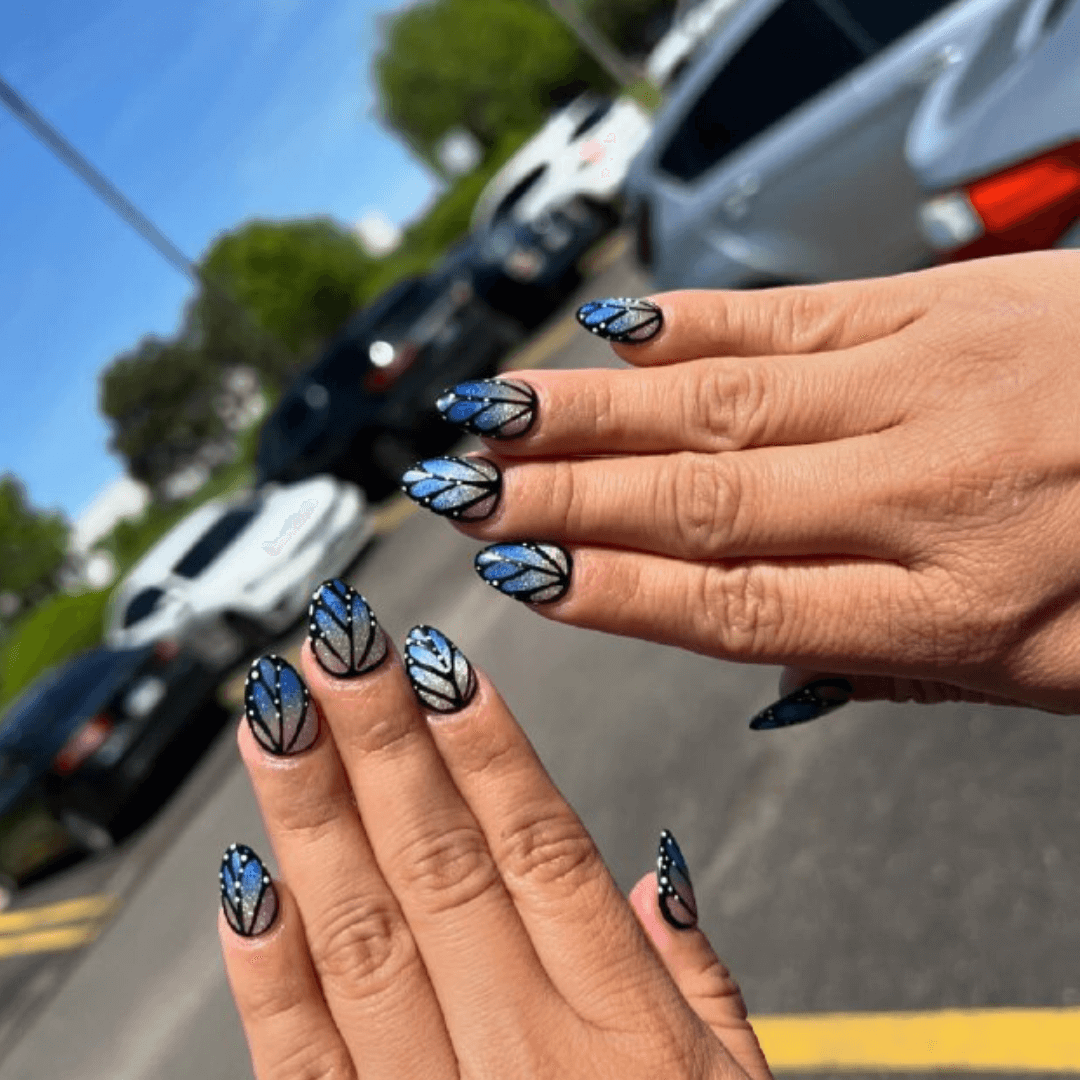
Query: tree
{"x": 160, "y": 400}
{"x": 491, "y": 66}
{"x": 298, "y": 281}
{"x": 33, "y": 545}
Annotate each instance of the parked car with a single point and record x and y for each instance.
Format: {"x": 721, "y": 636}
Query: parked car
{"x": 583, "y": 152}
{"x": 800, "y": 143}
{"x": 365, "y": 409}
{"x": 692, "y": 25}
{"x": 237, "y": 572}
{"x": 78, "y": 744}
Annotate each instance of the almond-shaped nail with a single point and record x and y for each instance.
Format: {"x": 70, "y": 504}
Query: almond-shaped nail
{"x": 675, "y": 893}
{"x": 345, "y": 636}
{"x": 278, "y": 707}
{"x": 622, "y": 319}
{"x": 463, "y": 489}
{"x": 817, "y": 698}
{"x": 440, "y": 673}
{"x": 491, "y": 408}
{"x": 529, "y": 571}
{"x": 248, "y": 896}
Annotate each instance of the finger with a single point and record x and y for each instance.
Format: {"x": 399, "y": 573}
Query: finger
{"x": 576, "y": 919}
{"x": 371, "y": 972}
{"x": 429, "y": 847}
{"x": 712, "y": 404}
{"x": 795, "y": 319}
{"x": 842, "y": 614}
{"x": 288, "y": 1026}
{"x": 769, "y": 502}
{"x": 701, "y": 977}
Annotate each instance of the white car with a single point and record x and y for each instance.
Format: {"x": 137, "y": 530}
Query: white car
{"x": 239, "y": 571}
{"x": 581, "y": 154}
{"x": 673, "y": 52}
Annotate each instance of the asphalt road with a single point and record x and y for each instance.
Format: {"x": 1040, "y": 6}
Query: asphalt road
{"x": 887, "y": 858}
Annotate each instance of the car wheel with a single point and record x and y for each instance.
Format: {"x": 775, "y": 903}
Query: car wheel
{"x": 90, "y": 835}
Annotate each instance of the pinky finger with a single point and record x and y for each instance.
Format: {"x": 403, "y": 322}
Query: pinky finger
{"x": 288, "y": 1027}
{"x": 693, "y": 965}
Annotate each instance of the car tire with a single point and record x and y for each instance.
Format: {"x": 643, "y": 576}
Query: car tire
{"x": 90, "y": 835}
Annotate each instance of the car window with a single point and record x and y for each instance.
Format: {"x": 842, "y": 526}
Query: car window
{"x": 141, "y": 605}
{"x": 518, "y": 192}
{"x": 794, "y": 54}
{"x": 215, "y": 540}
{"x": 593, "y": 117}
{"x": 883, "y": 21}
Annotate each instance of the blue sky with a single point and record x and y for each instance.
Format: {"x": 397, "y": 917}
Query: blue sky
{"x": 205, "y": 113}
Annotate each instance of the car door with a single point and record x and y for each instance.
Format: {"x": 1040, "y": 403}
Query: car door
{"x": 795, "y": 150}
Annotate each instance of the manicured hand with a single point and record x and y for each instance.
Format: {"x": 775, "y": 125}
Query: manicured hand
{"x": 441, "y": 912}
{"x": 878, "y": 480}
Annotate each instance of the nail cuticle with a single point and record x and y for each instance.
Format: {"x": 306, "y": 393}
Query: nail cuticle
{"x": 526, "y": 570}
{"x": 462, "y": 489}
{"x": 278, "y": 707}
{"x": 490, "y": 408}
{"x": 809, "y": 702}
{"x": 345, "y": 636}
{"x": 248, "y": 896}
{"x": 624, "y": 320}
{"x": 675, "y": 893}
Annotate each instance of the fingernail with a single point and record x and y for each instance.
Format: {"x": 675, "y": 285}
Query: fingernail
{"x": 248, "y": 896}
{"x": 493, "y": 408}
{"x": 807, "y": 703}
{"x": 465, "y": 489}
{"x": 441, "y": 676}
{"x": 530, "y": 572}
{"x": 622, "y": 319}
{"x": 345, "y": 636}
{"x": 674, "y": 891}
{"x": 278, "y": 707}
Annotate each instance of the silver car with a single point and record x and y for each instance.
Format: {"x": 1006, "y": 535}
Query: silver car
{"x": 821, "y": 139}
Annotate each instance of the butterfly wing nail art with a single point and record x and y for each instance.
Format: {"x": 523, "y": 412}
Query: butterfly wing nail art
{"x": 622, "y": 319}
{"x": 441, "y": 676}
{"x": 464, "y": 489}
{"x": 278, "y": 707}
{"x": 675, "y": 893}
{"x": 248, "y": 896}
{"x": 493, "y": 408}
{"x": 345, "y": 636}
{"x": 531, "y": 572}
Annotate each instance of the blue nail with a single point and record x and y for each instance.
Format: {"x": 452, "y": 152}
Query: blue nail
{"x": 492, "y": 408}
{"x": 527, "y": 571}
{"x": 345, "y": 636}
{"x": 441, "y": 676}
{"x": 465, "y": 489}
{"x": 248, "y": 896}
{"x": 807, "y": 703}
{"x": 622, "y": 319}
{"x": 278, "y": 707}
{"x": 675, "y": 892}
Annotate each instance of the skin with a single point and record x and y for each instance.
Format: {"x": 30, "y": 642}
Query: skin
{"x": 445, "y": 914}
{"x": 879, "y": 479}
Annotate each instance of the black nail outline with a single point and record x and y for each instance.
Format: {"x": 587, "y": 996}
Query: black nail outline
{"x": 641, "y": 330}
{"x": 265, "y": 908}
{"x": 487, "y": 482}
{"x": 496, "y": 393}
{"x": 307, "y": 730}
{"x": 767, "y": 720}
{"x": 549, "y": 553}
{"x": 367, "y": 652}
{"x": 670, "y": 867}
{"x": 445, "y": 665}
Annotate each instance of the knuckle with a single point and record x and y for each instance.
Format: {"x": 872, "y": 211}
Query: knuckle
{"x": 565, "y": 504}
{"x": 362, "y": 945}
{"x": 548, "y": 849}
{"x": 448, "y": 869}
{"x": 310, "y": 815}
{"x": 740, "y": 609}
{"x": 388, "y": 732}
{"x": 303, "y": 1062}
{"x": 725, "y": 404}
{"x": 705, "y": 496}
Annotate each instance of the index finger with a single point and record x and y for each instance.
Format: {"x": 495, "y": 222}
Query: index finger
{"x": 796, "y": 319}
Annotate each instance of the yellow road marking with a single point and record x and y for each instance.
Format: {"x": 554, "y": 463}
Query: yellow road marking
{"x": 67, "y": 911}
{"x": 55, "y": 940}
{"x": 393, "y": 514}
{"x": 1014, "y": 1040}
{"x": 551, "y": 341}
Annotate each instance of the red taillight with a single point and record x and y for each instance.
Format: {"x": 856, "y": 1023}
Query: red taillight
{"x": 1014, "y": 196}
{"x": 379, "y": 378}
{"x": 166, "y": 650}
{"x": 84, "y": 742}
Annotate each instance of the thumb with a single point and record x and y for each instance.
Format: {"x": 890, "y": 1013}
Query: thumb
{"x": 808, "y": 694}
{"x": 665, "y": 906}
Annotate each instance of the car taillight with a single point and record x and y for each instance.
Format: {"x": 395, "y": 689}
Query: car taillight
{"x": 1023, "y": 208}
{"x": 378, "y": 378}
{"x": 643, "y": 234}
{"x": 82, "y": 744}
{"x": 165, "y": 651}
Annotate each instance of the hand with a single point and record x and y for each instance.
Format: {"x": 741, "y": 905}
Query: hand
{"x": 877, "y": 479}
{"x": 442, "y": 912}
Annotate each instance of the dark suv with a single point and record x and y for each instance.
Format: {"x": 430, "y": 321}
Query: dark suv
{"x": 365, "y": 410}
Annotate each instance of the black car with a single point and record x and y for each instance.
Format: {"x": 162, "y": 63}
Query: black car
{"x": 365, "y": 410}
{"x": 78, "y": 744}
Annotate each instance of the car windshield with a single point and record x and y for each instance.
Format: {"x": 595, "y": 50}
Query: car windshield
{"x": 215, "y": 540}
{"x": 141, "y": 605}
{"x": 56, "y": 695}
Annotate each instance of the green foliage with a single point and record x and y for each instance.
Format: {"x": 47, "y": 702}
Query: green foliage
{"x": 299, "y": 280}
{"x": 32, "y": 544}
{"x": 490, "y": 66}
{"x": 56, "y": 629}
